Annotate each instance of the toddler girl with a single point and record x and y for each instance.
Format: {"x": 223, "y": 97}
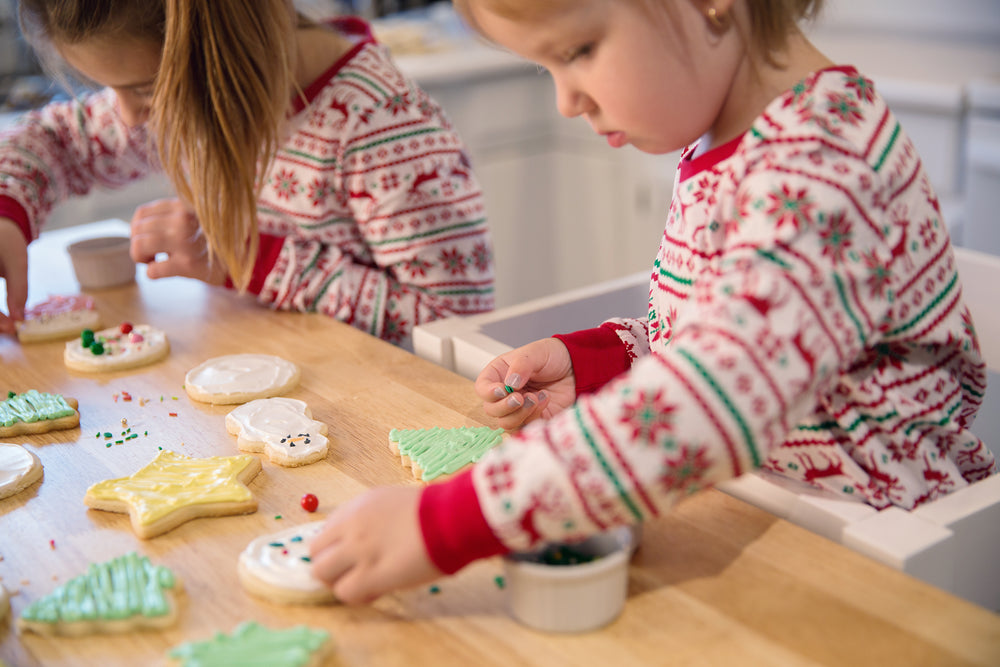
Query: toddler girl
{"x": 805, "y": 314}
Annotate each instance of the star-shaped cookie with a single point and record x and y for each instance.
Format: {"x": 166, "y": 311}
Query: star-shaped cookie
{"x": 282, "y": 428}
{"x": 174, "y": 488}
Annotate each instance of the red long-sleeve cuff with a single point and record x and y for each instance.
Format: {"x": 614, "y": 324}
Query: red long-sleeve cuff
{"x": 268, "y": 249}
{"x": 10, "y": 208}
{"x": 598, "y": 355}
{"x": 454, "y": 528}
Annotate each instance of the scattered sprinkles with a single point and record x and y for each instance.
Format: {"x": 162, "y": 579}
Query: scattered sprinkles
{"x": 52, "y": 544}
{"x": 499, "y": 581}
{"x": 434, "y": 590}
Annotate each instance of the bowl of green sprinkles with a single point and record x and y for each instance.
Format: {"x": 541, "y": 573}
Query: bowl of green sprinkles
{"x": 570, "y": 587}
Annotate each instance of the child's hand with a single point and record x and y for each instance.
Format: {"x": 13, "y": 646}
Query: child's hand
{"x": 14, "y": 269}
{"x": 373, "y": 545}
{"x": 169, "y": 227}
{"x": 541, "y": 377}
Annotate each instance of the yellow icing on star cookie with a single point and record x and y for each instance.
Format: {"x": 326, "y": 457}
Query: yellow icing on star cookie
{"x": 174, "y": 488}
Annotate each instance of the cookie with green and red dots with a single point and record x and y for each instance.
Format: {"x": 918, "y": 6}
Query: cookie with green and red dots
{"x": 120, "y": 348}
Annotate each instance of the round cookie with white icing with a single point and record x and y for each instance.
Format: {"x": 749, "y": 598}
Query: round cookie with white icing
{"x": 282, "y": 428}
{"x": 238, "y": 378}
{"x": 116, "y": 349}
{"x": 19, "y": 469}
{"x": 277, "y": 568}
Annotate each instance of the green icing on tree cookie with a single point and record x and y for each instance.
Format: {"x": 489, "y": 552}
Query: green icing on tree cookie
{"x": 251, "y": 645}
{"x": 122, "y": 588}
{"x": 441, "y": 451}
{"x": 33, "y": 406}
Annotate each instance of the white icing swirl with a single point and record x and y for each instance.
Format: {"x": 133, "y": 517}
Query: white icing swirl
{"x": 15, "y": 464}
{"x": 281, "y": 426}
{"x": 282, "y": 559}
{"x": 119, "y": 348}
{"x": 241, "y": 373}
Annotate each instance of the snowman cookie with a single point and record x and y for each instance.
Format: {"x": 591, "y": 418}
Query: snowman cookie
{"x": 282, "y": 428}
{"x": 238, "y": 378}
{"x": 123, "y": 347}
{"x": 276, "y": 567}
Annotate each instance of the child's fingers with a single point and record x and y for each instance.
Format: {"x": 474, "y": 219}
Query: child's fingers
{"x": 330, "y": 563}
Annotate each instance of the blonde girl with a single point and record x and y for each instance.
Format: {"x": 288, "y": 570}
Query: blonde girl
{"x": 805, "y": 315}
{"x": 308, "y": 169}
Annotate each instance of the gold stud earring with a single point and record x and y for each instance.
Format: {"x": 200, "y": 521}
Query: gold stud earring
{"x": 715, "y": 18}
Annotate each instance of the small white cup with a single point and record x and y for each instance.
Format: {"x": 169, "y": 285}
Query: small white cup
{"x": 102, "y": 262}
{"x": 571, "y": 598}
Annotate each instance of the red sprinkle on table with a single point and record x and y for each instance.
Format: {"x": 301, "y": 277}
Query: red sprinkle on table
{"x": 172, "y": 414}
{"x": 309, "y": 502}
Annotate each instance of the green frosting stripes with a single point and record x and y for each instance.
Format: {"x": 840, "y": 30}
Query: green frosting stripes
{"x": 33, "y": 406}
{"x": 121, "y": 588}
{"x": 441, "y": 451}
{"x": 253, "y": 645}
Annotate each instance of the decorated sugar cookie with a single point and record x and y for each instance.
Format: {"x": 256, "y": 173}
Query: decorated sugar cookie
{"x": 34, "y": 412}
{"x": 276, "y": 567}
{"x": 121, "y": 348}
{"x": 238, "y": 378}
{"x": 58, "y": 317}
{"x": 121, "y": 595}
{"x": 19, "y": 469}
{"x": 433, "y": 452}
{"x": 298, "y": 646}
{"x": 174, "y": 488}
{"x": 280, "y": 427}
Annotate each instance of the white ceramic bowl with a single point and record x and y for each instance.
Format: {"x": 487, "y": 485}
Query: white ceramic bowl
{"x": 571, "y": 598}
{"x": 102, "y": 262}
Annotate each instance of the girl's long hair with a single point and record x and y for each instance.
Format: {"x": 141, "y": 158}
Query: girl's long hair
{"x": 220, "y": 98}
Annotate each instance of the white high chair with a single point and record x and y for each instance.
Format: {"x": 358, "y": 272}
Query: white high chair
{"x": 953, "y": 542}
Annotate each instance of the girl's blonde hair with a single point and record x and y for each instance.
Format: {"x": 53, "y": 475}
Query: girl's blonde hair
{"x": 771, "y": 21}
{"x": 221, "y": 93}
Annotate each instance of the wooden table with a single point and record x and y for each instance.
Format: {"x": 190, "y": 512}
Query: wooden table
{"x": 715, "y": 582}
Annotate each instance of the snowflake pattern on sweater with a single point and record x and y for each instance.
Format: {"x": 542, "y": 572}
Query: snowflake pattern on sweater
{"x": 369, "y": 213}
{"x": 805, "y": 316}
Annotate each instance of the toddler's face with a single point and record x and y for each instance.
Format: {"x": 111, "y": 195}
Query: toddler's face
{"x": 656, "y": 82}
{"x": 128, "y": 67}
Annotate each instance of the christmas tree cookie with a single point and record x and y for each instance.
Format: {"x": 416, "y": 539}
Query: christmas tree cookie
{"x": 250, "y": 643}
{"x": 433, "y": 452}
{"x": 34, "y": 412}
{"x": 121, "y": 595}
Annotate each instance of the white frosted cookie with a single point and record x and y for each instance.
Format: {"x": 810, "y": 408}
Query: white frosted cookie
{"x": 116, "y": 349}
{"x": 58, "y": 317}
{"x": 121, "y": 595}
{"x": 276, "y": 567}
{"x": 282, "y": 428}
{"x": 238, "y": 378}
{"x": 19, "y": 469}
